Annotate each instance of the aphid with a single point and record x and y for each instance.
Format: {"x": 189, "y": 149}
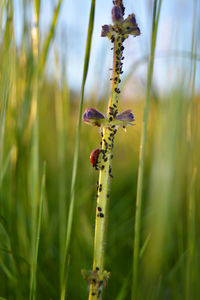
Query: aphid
{"x": 100, "y": 282}
{"x": 101, "y": 215}
{"x": 117, "y": 52}
{"x": 100, "y": 187}
{"x": 94, "y": 156}
{"x": 99, "y": 208}
{"x": 110, "y": 172}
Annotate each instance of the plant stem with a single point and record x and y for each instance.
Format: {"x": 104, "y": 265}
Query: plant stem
{"x": 108, "y": 134}
{"x": 156, "y": 14}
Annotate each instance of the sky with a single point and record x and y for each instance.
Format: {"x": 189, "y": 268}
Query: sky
{"x": 174, "y": 34}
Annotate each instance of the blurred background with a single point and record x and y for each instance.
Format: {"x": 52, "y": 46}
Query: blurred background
{"x": 39, "y": 104}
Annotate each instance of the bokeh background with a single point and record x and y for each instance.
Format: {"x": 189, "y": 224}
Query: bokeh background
{"x": 169, "y": 256}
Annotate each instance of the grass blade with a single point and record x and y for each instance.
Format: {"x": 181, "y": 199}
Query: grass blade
{"x": 34, "y": 269}
{"x": 156, "y": 14}
{"x": 77, "y": 145}
{"x": 34, "y": 153}
{"x": 50, "y": 36}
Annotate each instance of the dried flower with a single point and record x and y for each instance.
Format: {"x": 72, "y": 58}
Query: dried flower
{"x": 105, "y": 30}
{"x": 93, "y": 117}
{"x": 130, "y": 25}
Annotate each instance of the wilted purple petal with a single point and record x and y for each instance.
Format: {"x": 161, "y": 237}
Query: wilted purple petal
{"x": 126, "y": 116}
{"x": 105, "y": 30}
{"x": 131, "y": 18}
{"x": 130, "y": 25}
{"x": 117, "y": 14}
{"x": 93, "y": 116}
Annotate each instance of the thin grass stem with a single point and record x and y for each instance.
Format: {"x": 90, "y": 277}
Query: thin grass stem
{"x": 136, "y": 254}
{"x": 44, "y": 52}
{"x": 76, "y": 150}
{"x": 34, "y": 155}
{"x": 35, "y": 259}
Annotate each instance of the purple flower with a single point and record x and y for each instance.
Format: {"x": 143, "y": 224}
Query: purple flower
{"x": 93, "y": 117}
{"x": 105, "y": 30}
{"x": 130, "y": 25}
{"x": 117, "y": 15}
{"x": 126, "y": 117}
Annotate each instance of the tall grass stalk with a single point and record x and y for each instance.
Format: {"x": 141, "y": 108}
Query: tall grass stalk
{"x": 76, "y": 151}
{"x": 34, "y": 158}
{"x": 44, "y": 52}
{"x": 62, "y": 116}
{"x": 39, "y": 60}
{"x": 39, "y": 220}
{"x": 191, "y": 273}
{"x": 4, "y": 80}
{"x": 155, "y": 21}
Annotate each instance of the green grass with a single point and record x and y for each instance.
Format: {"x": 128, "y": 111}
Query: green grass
{"x": 34, "y": 213}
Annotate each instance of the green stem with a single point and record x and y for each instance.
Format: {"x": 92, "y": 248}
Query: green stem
{"x": 108, "y": 133}
{"x": 156, "y": 14}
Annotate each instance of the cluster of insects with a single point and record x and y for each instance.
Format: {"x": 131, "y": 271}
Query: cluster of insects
{"x": 98, "y": 279}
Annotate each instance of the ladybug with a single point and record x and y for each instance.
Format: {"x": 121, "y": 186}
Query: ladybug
{"x": 94, "y": 156}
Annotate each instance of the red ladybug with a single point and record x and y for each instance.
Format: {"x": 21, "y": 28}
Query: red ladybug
{"x": 94, "y": 156}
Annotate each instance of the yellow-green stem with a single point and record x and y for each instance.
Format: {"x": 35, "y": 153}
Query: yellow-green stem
{"x": 108, "y": 133}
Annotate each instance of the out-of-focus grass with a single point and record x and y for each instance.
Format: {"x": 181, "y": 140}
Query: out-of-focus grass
{"x": 170, "y": 220}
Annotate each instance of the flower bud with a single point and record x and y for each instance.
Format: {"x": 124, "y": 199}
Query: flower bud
{"x": 117, "y": 15}
{"x": 93, "y": 117}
